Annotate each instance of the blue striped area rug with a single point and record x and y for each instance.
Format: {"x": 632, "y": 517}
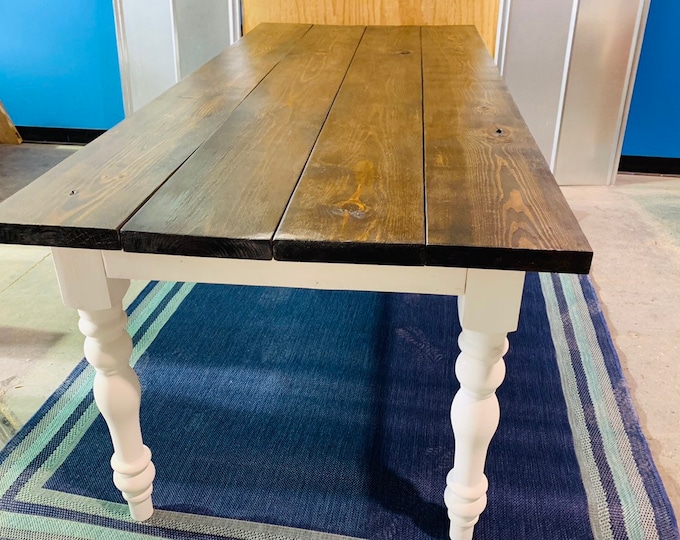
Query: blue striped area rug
{"x": 284, "y": 414}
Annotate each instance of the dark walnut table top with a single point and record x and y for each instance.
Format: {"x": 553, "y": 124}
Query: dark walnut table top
{"x": 385, "y": 145}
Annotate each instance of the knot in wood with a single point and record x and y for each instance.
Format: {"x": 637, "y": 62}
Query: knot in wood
{"x": 499, "y": 132}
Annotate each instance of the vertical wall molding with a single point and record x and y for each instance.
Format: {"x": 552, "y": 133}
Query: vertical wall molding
{"x": 175, "y": 39}
{"x": 536, "y": 45}
{"x": 635, "y": 60}
{"x": 235, "y": 20}
{"x": 162, "y": 41}
{"x": 606, "y": 38}
{"x": 571, "y": 68}
{"x": 125, "y": 81}
{"x": 502, "y": 33}
{"x": 563, "y": 91}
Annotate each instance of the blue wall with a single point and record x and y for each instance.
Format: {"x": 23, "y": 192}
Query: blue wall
{"x": 653, "y": 128}
{"x": 59, "y": 63}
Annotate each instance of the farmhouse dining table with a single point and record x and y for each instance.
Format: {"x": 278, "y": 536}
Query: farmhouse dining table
{"x": 337, "y": 157}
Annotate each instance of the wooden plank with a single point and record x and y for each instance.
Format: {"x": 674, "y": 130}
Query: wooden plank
{"x": 491, "y": 199}
{"x": 84, "y": 200}
{"x": 228, "y": 198}
{"x": 8, "y": 133}
{"x": 481, "y": 13}
{"x": 360, "y": 198}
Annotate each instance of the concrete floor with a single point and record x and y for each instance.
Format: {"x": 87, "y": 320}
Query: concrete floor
{"x": 633, "y": 227}
{"x": 634, "y": 230}
{"x": 39, "y": 339}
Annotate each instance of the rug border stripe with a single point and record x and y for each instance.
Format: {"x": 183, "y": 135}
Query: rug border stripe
{"x": 574, "y": 311}
{"x": 618, "y": 453}
{"x": 85, "y": 531}
{"x": 597, "y": 498}
{"x": 652, "y": 481}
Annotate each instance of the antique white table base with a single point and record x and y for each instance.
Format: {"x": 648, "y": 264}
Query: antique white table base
{"x": 94, "y": 282}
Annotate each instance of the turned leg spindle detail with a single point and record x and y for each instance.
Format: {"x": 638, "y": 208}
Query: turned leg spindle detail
{"x": 474, "y": 416}
{"x": 117, "y": 393}
{"x": 488, "y": 311}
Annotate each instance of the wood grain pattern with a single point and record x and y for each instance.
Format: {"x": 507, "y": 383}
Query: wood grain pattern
{"x": 8, "y": 133}
{"x": 360, "y": 198}
{"x": 491, "y": 199}
{"x": 386, "y": 145}
{"x": 228, "y": 198}
{"x": 84, "y": 200}
{"x": 481, "y": 13}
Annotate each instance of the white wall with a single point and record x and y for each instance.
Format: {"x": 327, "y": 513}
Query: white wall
{"x": 569, "y": 65}
{"x": 202, "y": 31}
{"x": 536, "y": 49}
{"x": 148, "y": 63}
{"x": 162, "y": 41}
{"x": 606, "y": 48}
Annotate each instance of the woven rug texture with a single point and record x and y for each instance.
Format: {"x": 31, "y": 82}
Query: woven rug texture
{"x": 287, "y": 414}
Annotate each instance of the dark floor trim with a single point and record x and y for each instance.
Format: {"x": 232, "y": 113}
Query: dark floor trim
{"x": 58, "y": 135}
{"x": 649, "y": 165}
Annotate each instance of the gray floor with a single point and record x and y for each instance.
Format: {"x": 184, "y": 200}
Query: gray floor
{"x": 19, "y": 164}
{"x": 634, "y": 228}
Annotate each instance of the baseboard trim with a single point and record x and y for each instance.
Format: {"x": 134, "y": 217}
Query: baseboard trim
{"x": 58, "y": 135}
{"x": 649, "y": 165}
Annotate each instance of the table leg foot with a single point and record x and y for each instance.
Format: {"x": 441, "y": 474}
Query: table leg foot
{"x": 135, "y": 481}
{"x": 118, "y": 394}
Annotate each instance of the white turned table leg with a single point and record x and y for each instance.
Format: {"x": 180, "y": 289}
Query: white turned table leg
{"x": 117, "y": 392}
{"x": 108, "y": 347}
{"x": 488, "y": 311}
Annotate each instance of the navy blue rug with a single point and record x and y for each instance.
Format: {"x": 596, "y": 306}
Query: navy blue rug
{"x": 297, "y": 414}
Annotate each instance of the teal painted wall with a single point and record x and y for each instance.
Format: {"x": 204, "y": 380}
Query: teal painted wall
{"x": 653, "y": 128}
{"x": 59, "y": 63}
